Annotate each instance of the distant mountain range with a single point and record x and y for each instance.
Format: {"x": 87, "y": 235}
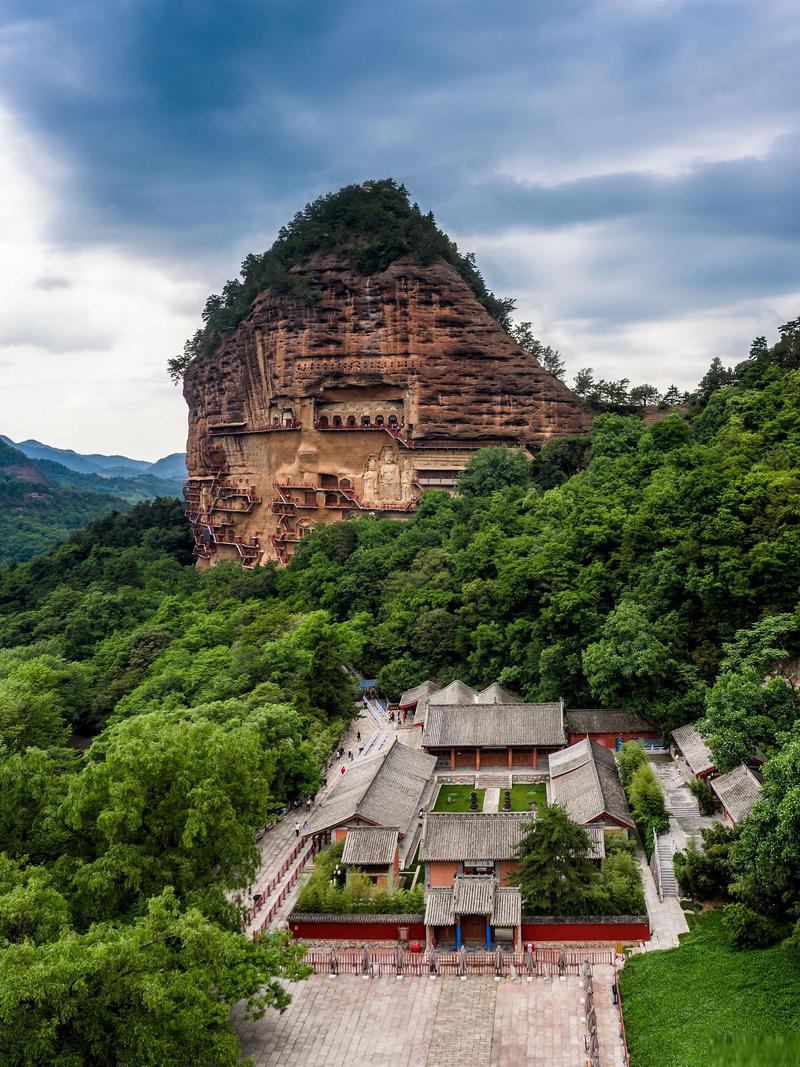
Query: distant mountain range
{"x": 46, "y": 493}
{"x": 171, "y": 468}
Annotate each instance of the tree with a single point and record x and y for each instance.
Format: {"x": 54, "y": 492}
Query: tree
{"x": 560, "y": 459}
{"x": 555, "y": 875}
{"x": 156, "y": 991}
{"x": 492, "y": 469}
{"x": 164, "y": 803}
{"x": 765, "y": 859}
{"x": 549, "y": 358}
{"x": 744, "y": 713}
{"x": 716, "y": 377}
{"x": 630, "y": 758}
{"x": 32, "y": 707}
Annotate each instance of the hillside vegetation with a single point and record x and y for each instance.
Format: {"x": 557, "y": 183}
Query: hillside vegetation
{"x": 42, "y": 502}
{"x": 654, "y": 567}
{"x": 373, "y": 224}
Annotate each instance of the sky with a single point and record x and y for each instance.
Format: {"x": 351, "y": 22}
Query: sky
{"x": 627, "y": 170}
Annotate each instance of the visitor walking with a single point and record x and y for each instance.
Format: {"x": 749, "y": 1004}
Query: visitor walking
{"x": 297, "y": 829}
{"x": 358, "y": 736}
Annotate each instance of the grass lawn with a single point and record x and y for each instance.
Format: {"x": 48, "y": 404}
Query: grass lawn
{"x": 456, "y": 798}
{"x": 706, "y": 1004}
{"x": 522, "y": 795}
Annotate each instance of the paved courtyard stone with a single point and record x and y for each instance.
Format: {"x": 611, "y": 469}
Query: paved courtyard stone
{"x": 353, "y": 1022}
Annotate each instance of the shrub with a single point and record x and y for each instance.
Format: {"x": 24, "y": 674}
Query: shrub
{"x": 748, "y": 929}
{"x": 630, "y": 758}
{"x": 647, "y": 805}
{"x": 704, "y": 795}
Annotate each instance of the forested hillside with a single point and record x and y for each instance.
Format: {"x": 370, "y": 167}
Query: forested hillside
{"x": 42, "y": 502}
{"x": 654, "y": 567}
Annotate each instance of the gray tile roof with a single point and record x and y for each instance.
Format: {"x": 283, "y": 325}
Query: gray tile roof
{"x": 384, "y": 790}
{"x": 606, "y": 721}
{"x": 493, "y": 726}
{"x": 496, "y": 694}
{"x": 738, "y": 790}
{"x": 474, "y": 895}
{"x": 456, "y": 837}
{"x": 507, "y": 907}
{"x": 370, "y": 846}
{"x": 584, "y": 780}
{"x": 694, "y": 749}
{"x": 455, "y": 693}
{"x": 419, "y": 692}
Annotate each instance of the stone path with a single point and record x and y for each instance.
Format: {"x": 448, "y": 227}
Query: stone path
{"x": 355, "y": 1022}
{"x": 491, "y": 800}
{"x": 667, "y": 918}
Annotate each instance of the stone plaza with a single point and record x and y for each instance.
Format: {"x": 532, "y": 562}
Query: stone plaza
{"x": 418, "y": 1022}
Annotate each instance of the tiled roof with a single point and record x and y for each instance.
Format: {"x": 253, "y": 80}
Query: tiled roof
{"x": 455, "y": 693}
{"x": 738, "y": 790}
{"x": 384, "y": 790}
{"x": 493, "y": 725}
{"x": 694, "y": 749}
{"x": 413, "y": 696}
{"x": 496, "y": 694}
{"x": 474, "y": 895}
{"x": 585, "y": 781}
{"x": 507, "y": 907}
{"x": 456, "y": 837}
{"x": 370, "y": 846}
{"x": 606, "y": 721}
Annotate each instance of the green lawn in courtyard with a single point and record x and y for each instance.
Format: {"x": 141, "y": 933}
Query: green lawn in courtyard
{"x": 456, "y": 798}
{"x": 707, "y": 1004}
{"x": 522, "y": 795}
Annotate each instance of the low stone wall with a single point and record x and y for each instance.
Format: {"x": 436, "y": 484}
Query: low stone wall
{"x": 594, "y": 928}
{"x": 319, "y": 927}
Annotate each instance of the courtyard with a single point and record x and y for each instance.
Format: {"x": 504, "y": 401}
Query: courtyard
{"x": 480, "y": 1022}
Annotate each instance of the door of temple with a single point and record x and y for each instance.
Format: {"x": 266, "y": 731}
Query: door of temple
{"x": 473, "y": 928}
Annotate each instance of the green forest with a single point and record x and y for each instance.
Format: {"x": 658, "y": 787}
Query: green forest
{"x": 655, "y": 567}
{"x": 42, "y": 502}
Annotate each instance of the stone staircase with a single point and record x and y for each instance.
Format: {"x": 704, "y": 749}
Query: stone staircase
{"x": 493, "y": 781}
{"x": 669, "y": 884}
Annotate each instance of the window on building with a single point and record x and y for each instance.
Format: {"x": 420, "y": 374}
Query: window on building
{"x": 323, "y": 421}
{"x": 351, "y": 420}
{"x": 379, "y": 420}
{"x": 365, "y": 420}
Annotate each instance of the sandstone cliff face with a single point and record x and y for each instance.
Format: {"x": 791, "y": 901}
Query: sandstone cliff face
{"x": 379, "y": 389}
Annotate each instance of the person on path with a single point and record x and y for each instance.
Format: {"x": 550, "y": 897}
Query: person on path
{"x": 343, "y": 769}
{"x": 350, "y": 753}
{"x": 297, "y": 829}
{"x": 358, "y": 736}
{"x": 305, "y": 825}
{"x": 309, "y": 804}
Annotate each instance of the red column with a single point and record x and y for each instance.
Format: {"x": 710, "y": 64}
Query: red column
{"x": 510, "y": 758}
{"x": 452, "y": 759}
{"x": 535, "y": 757}
{"x": 477, "y": 759}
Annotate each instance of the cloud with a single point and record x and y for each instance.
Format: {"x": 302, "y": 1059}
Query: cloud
{"x": 83, "y": 346}
{"x": 626, "y": 168}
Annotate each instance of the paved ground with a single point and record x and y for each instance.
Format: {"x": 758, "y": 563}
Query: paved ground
{"x": 667, "y": 917}
{"x": 355, "y": 1022}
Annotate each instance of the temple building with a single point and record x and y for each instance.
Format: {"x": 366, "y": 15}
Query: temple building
{"x": 690, "y": 749}
{"x": 612, "y": 727}
{"x": 469, "y": 860}
{"x": 737, "y": 792}
{"x": 585, "y": 781}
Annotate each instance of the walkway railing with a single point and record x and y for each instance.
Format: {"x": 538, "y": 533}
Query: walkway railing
{"x": 541, "y": 963}
{"x": 278, "y": 878}
{"x": 655, "y": 867}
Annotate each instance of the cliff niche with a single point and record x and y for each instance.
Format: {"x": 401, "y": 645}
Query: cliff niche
{"x": 360, "y": 361}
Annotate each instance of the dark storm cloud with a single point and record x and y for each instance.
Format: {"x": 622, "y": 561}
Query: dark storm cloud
{"x": 194, "y": 128}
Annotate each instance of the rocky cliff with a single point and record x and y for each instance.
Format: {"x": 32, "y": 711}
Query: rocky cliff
{"x": 355, "y": 400}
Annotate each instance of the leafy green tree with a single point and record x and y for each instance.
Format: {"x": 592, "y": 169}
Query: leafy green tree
{"x": 155, "y": 991}
{"x": 555, "y": 875}
{"x": 559, "y": 460}
{"x": 163, "y": 803}
{"x": 630, "y": 758}
{"x": 31, "y": 784}
{"x": 492, "y": 469}
{"x": 31, "y": 907}
{"x": 31, "y": 706}
{"x": 765, "y": 859}
{"x": 743, "y": 713}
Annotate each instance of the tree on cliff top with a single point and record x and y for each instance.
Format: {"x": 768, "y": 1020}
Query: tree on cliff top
{"x": 375, "y": 223}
